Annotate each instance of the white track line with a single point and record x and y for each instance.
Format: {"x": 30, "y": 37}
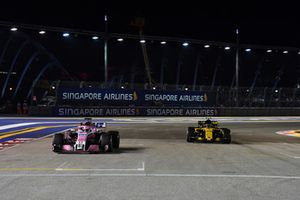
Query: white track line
{"x": 82, "y": 169}
{"x": 290, "y": 156}
{"x": 17, "y": 125}
{"x": 142, "y": 168}
{"x": 63, "y": 164}
{"x": 74, "y": 169}
{"x": 156, "y": 175}
{"x": 59, "y": 168}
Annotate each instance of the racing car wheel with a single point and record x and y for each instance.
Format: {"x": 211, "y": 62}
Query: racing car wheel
{"x": 58, "y": 141}
{"x": 115, "y": 138}
{"x": 227, "y": 137}
{"x": 106, "y": 142}
{"x": 190, "y": 134}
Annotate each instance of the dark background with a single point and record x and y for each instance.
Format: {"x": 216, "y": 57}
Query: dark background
{"x": 260, "y": 22}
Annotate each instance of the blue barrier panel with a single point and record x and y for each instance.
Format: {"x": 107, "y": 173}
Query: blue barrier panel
{"x": 95, "y": 96}
{"x": 122, "y": 97}
{"x": 175, "y": 98}
{"x": 136, "y": 111}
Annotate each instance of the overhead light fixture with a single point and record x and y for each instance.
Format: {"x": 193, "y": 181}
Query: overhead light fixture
{"x": 154, "y": 88}
{"x": 142, "y": 41}
{"x": 186, "y": 89}
{"x": 4, "y": 72}
{"x": 95, "y": 37}
{"x": 247, "y": 50}
{"x": 120, "y": 39}
{"x": 227, "y": 48}
{"x": 14, "y": 29}
{"x": 206, "y": 46}
{"x": 42, "y": 32}
{"x": 285, "y": 52}
{"x": 66, "y": 34}
{"x": 269, "y": 51}
{"x": 185, "y": 44}
{"x": 163, "y": 42}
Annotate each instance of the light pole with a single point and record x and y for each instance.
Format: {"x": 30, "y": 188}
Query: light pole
{"x": 237, "y": 66}
{"x": 105, "y": 50}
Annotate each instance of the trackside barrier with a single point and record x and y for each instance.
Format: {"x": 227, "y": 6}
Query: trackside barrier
{"x": 134, "y": 111}
{"x": 161, "y": 111}
{"x": 41, "y": 111}
{"x": 259, "y": 111}
{"x": 137, "y": 98}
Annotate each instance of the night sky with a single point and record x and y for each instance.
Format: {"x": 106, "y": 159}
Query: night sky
{"x": 262, "y": 23}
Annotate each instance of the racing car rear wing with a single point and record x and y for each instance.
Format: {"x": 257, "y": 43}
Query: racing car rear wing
{"x": 100, "y": 125}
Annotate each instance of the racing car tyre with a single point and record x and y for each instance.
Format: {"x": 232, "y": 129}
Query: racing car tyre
{"x": 106, "y": 139}
{"x": 115, "y": 139}
{"x": 227, "y": 136}
{"x": 190, "y": 134}
{"x": 58, "y": 141}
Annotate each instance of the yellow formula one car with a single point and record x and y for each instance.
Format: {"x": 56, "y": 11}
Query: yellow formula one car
{"x": 208, "y": 131}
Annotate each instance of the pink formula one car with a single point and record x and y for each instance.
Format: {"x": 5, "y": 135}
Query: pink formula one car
{"x": 88, "y": 137}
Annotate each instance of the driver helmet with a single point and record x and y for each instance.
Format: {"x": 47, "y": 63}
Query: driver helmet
{"x": 208, "y": 121}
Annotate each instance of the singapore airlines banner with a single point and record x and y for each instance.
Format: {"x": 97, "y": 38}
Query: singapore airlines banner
{"x": 137, "y": 111}
{"x": 121, "y": 97}
{"x": 73, "y": 96}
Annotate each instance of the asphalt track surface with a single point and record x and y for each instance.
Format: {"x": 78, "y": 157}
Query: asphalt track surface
{"x": 155, "y": 162}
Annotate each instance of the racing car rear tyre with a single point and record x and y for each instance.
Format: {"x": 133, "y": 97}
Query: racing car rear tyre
{"x": 227, "y": 136}
{"x": 106, "y": 139}
{"x": 115, "y": 139}
{"x": 58, "y": 141}
{"x": 190, "y": 134}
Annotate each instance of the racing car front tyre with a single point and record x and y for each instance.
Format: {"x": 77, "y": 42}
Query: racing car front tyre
{"x": 58, "y": 141}
{"x": 115, "y": 139}
{"x": 227, "y": 137}
{"x": 106, "y": 143}
{"x": 190, "y": 134}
